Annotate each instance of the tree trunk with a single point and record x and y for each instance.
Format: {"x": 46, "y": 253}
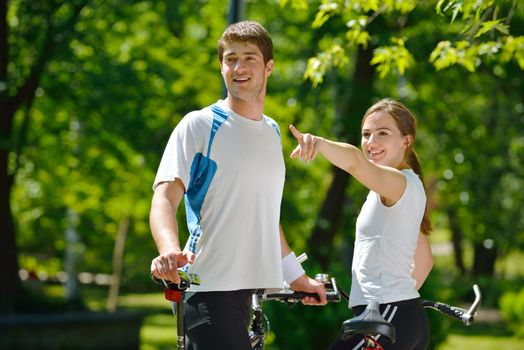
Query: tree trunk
{"x": 118, "y": 263}
{"x": 73, "y": 257}
{"x": 456, "y": 240}
{"x": 484, "y": 258}
{"x": 9, "y": 279}
{"x": 328, "y": 218}
{"x": 350, "y": 109}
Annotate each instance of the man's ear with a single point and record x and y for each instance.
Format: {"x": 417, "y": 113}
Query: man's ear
{"x": 269, "y": 67}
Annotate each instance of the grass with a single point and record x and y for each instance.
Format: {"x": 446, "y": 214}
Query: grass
{"x": 482, "y": 336}
{"x": 159, "y": 328}
{"x": 158, "y": 332}
{"x": 481, "y": 342}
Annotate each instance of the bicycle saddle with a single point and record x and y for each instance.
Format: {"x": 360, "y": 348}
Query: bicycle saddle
{"x": 369, "y": 322}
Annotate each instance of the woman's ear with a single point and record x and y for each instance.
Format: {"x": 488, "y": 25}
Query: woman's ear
{"x": 408, "y": 141}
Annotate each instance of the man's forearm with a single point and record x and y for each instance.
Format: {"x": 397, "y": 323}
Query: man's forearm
{"x": 162, "y": 217}
{"x": 164, "y": 227}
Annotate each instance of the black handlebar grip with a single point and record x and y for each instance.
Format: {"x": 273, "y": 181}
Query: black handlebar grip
{"x": 169, "y": 285}
{"x": 451, "y": 311}
{"x": 330, "y": 296}
{"x": 301, "y": 295}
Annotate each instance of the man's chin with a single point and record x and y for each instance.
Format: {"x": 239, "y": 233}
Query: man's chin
{"x": 245, "y": 98}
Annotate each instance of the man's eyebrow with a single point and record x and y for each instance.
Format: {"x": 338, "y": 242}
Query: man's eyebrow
{"x": 233, "y": 53}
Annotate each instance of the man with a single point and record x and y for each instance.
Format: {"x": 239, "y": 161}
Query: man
{"x": 227, "y": 161}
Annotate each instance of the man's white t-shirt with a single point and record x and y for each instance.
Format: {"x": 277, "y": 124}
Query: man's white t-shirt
{"x": 239, "y": 243}
{"x": 385, "y": 243}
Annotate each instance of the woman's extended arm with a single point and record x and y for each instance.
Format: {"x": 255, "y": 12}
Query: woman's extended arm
{"x": 389, "y": 182}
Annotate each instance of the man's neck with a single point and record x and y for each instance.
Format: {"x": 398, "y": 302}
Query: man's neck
{"x": 248, "y": 109}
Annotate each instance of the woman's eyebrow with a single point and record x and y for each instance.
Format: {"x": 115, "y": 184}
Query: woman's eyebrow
{"x": 379, "y": 128}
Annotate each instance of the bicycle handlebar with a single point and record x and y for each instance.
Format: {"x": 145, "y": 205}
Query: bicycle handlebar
{"x": 290, "y": 296}
{"x": 186, "y": 280}
{"x": 173, "y": 291}
{"x": 466, "y": 316}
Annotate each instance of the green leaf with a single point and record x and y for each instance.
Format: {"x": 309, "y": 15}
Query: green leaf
{"x": 488, "y": 26}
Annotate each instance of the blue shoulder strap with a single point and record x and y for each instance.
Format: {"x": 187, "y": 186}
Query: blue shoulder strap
{"x": 219, "y": 117}
{"x": 203, "y": 170}
{"x": 273, "y": 124}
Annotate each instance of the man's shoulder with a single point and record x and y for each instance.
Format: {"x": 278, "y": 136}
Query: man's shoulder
{"x": 204, "y": 113}
{"x": 272, "y": 123}
{"x": 197, "y": 118}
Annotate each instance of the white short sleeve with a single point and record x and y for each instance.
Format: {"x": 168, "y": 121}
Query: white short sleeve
{"x": 187, "y": 139}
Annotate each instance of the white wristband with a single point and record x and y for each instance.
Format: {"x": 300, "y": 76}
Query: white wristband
{"x": 291, "y": 268}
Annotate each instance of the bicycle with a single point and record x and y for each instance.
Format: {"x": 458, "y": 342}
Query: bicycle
{"x": 372, "y": 325}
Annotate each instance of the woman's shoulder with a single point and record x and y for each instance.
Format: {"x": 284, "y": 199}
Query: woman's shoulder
{"x": 413, "y": 180}
{"x": 410, "y": 174}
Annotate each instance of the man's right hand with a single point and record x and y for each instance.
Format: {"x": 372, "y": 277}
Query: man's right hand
{"x": 165, "y": 266}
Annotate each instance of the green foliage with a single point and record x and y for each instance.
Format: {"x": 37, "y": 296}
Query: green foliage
{"x": 512, "y": 310}
{"x": 105, "y": 108}
{"x": 390, "y": 58}
{"x": 475, "y": 32}
{"x": 317, "y": 66}
{"x": 513, "y": 47}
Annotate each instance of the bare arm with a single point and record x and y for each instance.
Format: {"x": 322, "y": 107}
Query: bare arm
{"x": 284, "y": 246}
{"x": 423, "y": 260}
{"x": 303, "y": 283}
{"x": 164, "y": 228}
{"x": 389, "y": 182}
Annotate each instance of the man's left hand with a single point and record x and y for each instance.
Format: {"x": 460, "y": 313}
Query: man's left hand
{"x": 309, "y": 285}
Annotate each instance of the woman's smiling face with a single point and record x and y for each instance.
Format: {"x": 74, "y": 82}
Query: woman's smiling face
{"x": 382, "y": 141}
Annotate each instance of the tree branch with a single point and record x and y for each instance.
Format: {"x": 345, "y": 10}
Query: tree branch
{"x": 26, "y": 92}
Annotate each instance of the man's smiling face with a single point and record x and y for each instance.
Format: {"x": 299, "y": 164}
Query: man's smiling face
{"x": 244, "y": 71}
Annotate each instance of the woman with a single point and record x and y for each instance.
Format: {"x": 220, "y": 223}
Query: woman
{"x": 392, "y": 256}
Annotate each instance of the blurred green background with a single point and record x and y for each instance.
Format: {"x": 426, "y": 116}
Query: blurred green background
{"x": 90, "y": 91}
